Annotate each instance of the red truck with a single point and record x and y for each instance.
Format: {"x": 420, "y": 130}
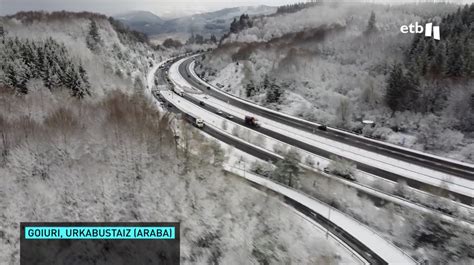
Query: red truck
{"x": 251, "y": 121}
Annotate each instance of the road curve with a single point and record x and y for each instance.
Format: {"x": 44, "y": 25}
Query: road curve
{"x": 184, "y": 71}
{"x": 369, "y": 255}
{"x": 462, "y": 170}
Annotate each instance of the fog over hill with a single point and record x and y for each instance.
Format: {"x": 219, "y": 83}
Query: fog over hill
{"x": 210, "y": 23}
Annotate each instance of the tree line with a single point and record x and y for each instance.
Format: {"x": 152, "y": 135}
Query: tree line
{"x": 293, "y": 8}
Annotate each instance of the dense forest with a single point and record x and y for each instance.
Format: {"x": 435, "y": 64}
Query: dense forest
{"x": 419, "y": 84}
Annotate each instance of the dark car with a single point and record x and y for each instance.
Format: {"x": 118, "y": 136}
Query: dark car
{"x": 322, "y": 128}
{"x": 208, "y": 87}
{"x": 201, "y": 103}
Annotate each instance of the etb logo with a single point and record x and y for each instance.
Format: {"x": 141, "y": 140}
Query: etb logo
{"x": 429, "y": 29}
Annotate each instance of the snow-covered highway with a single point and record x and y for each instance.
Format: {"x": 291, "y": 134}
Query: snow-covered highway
{"x": 369, "y": 161}
{"x": 364, "y": 238}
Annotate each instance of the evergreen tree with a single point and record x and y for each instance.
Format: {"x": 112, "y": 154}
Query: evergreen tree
{"x": 234, "y": 28}
{"x": 287, "y": 170}
{"x": 273, "y": 91}
{"x": 85, "y": 82}
{"x": 199, "y": 39}
{"x": 371, "y": 25}
{"x": 394, "y": 91}
{"x": 438, "y": 64}
{"x": 456, "y": 60}
{"x": 410, "y": 84}
{"x": 213, "y": 39}
{"x": 93, "y": 39}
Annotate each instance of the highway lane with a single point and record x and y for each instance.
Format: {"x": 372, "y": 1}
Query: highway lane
{"x": 364, "y": 167}
{"x": 434, "y": 163}
{"x": 343, "y": 235}
{"x": 315, "y": 150}
{"x": 191, "y": 98}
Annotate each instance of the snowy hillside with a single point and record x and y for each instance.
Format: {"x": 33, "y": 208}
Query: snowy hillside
{"x": 112, "y": 57}
{"x": 339, "y": 59}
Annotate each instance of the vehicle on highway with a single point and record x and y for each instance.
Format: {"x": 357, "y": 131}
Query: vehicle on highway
{"x": 220, "y": 112}
{"x": 347, "y": 176}
{"x": 322, "y": 127}
{"x": 201, "y": 103}
{"x": 251, "y": 121}
{"x": 208, "y": 88}
{"x": 229, "y": 116}
{"x": 206, "y": 97}
{"x": 178, "y": 90}
{"x": 199, "y": 123}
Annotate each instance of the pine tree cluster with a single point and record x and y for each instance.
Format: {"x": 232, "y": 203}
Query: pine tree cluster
{"x": 23, "y": 60}
{"x": 429, "y": 61}
{"x": 453, "y": 55}
{"x": 242, "y": 23}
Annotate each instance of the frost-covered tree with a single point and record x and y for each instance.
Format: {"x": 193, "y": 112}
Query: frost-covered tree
{"x": 273, "y": 91}
{"x": 343, "y": 112}
{"x": 341, "y": 167}
{"x": 93, "y": 39}
{"x": 402, "y": 89}
{"x": 213, "y": 39}
{"x": 371, "y": 25}
{"x": 394, "y": 88}
{"x": 287, "y": 169}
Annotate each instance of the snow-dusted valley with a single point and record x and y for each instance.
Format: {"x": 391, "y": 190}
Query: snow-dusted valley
{"x": 100, "y": 124}
{"x": 81, "y": 142}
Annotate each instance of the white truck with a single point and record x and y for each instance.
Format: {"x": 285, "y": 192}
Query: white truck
{"x": 200, "y": 123}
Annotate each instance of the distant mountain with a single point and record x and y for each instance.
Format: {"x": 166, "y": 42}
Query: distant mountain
{"x": 139, "y": 16}
{"x": 216, "y": 22}
{"x": 142, "y": 21}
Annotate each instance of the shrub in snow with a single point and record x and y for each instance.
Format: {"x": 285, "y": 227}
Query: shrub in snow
{"x": 468, "y": 152}
{"x": 341, "y": 167}
{"x": 279, "y": 148}
{"x": 382, "y": 133}
{"x": 224, "y": 125}
{"x": 309, "y": 161}
{"x": 236, "y": 131}
{"x": 262, "y": 169}
{"x": 402, "y": 189}
{"x": 382, "y": 185}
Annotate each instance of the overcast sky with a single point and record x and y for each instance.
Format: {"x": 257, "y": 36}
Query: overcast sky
{"x": 112, "y": 7}
{"x": 159, "y": 7}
